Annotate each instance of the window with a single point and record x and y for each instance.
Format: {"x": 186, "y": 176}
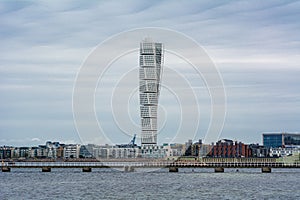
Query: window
{"x": 148, "y": 86}
{"x": 147, "y": 73}
{"x": 149, "y": 124}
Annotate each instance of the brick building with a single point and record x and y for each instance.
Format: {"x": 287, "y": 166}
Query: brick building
{"x": 230, "y": 149}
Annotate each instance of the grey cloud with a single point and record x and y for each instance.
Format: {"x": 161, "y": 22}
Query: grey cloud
{"x": 255, "y": 44}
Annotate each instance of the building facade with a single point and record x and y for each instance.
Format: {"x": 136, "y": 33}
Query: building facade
{"x": 72, "y": 151}
{"x": 276, "y": 140}
{"x": 230, "y": 149}
{"x": 281, "y": 152}
{"x": 259, "y": 151}
{"x": 6, "y": 152}
{"x": 150, "y": 72}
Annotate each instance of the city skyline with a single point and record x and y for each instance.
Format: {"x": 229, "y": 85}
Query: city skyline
{"x": 255, "y": 47}
{"x": 274, "y": 145}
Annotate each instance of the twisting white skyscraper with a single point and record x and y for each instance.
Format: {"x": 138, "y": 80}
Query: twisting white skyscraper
{"x": 150, "y": 72}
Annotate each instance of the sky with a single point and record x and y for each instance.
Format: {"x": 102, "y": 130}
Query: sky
{"x": 255, "y": 45}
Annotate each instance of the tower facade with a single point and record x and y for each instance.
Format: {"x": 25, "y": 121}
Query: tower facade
{"x": 150, "y": 73}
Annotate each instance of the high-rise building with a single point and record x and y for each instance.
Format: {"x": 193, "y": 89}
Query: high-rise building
{"x": 150, "y": 73}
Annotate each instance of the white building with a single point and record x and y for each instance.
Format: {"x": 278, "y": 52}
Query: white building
{"x": 150, "y": 72}
{"x": 125, "y": 152}
{"x": 153, "y": 151}
{"x": 71, "y": 150}
{"x": 282, "y": 152}
{"x": 52, "y": 149}
{"x": 174, "y": 150}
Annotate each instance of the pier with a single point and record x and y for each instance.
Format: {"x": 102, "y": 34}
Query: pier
{"x": 219, "y": 167}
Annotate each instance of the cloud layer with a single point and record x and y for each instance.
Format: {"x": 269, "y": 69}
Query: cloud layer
{"x": 255, "y": 45}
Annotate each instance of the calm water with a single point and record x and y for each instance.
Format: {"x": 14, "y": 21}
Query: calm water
{"x": 187, "y": 184}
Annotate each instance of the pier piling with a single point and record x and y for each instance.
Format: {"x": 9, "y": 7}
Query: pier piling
{"x": 173, "y": 169}
{"x": 87, "y": 169}
{"x": 219, "y": 170}
{"x": 129, "y": 169}
{"x": 46, "y": 169}
{"x": 266, "y": 170}
{"x": 5, "y": 169}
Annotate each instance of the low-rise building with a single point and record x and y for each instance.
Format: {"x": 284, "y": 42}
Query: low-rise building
{"x": 42, "y": 151}
{"x": 52, "y": 149}
{"x": 282, "y": 152}
{"x": 259, "y": 151}
{"x": 60, "y": 151}
{"x": 71, "y": 150}
{"x": 153, "y": 151}
{"x": 230, "y": 149}
{"x": 33, "y": 152}
{"x": 125, "y": 152}
{"x": 84, "y": 152}
{"x": 276, "y": 140}
{"x": 6, "y": 152}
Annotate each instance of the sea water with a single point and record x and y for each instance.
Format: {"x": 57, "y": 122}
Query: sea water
{"x": 151, "y": 184}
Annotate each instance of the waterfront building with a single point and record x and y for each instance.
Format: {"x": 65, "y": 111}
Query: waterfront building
{"x": 153, "y": 151}
{"x": 173, "y": 150}
{"x": 276, "y": 140}
{"x": 52, "y": 149}
{"x": 42, "y": 151}
{"x": 16, "y": 152}
{"x": 88, "y": 151}
{"x": 84, "y": 152}
{"x": 204, "y": 150}
{"x": 229, "y": 149}
{"x": 282, "y": 152}
{"x": 71, "y": 150}
{"x": 150, "y": 73}
{"x": 109, "y": 151}
{"x": 259, "y": 151}
{"x": 6, "y": 152}
{"x": 125, "y": 152}
{"x": 103, "y": 152}
{"x": 188, "y": 148}
{"x": 197, "y": 149}
{"x": 60, "y": 151}
{"x": 33, "y": 152}
{"x": 177, "y": 149}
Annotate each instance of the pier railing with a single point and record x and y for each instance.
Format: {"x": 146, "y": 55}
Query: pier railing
{"x": 149, "y": 164}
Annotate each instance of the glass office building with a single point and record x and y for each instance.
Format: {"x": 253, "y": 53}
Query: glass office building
{"x": 276, "y": 140}
{"x": 150, "y": 72}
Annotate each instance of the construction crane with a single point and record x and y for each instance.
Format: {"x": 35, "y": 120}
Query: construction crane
{"x": 131, "y": 144}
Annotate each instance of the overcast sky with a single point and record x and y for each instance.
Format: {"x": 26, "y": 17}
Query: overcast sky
{"x": 254, "y": 44}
